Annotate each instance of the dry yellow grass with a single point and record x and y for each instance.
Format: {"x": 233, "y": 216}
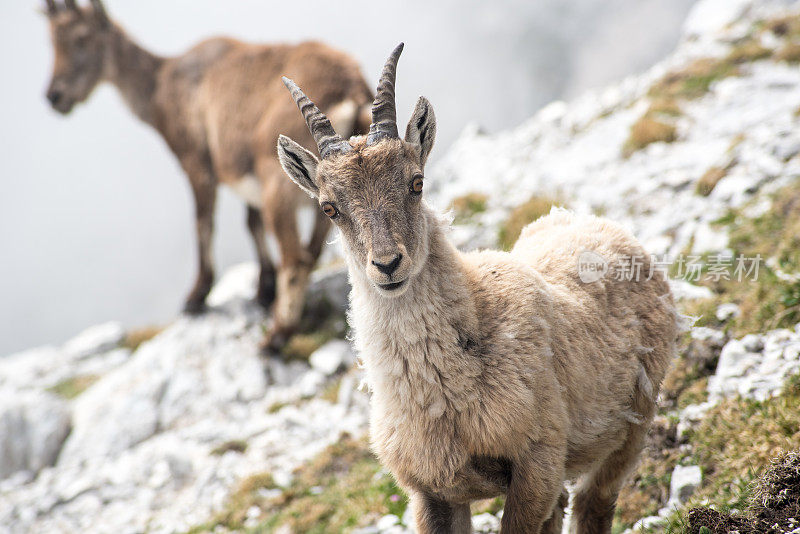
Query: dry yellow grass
{"x": 467, "y": 206}
{"x": 790, "y": 53}
{"x": 787, "y": 26}
{"x": 693, "y": 80}
{"x": 749, "y": 50}
{"x": 706, "y": 184}
{"x": 646, "y": 131}
{"x": 137, "y": 336}
{"x": 301, "y": 346}
{"x": 664, "y": 106}
{"x": 521, "y": 216}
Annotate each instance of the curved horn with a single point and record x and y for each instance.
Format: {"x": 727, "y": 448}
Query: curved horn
{"x": 328, "y": 141}
{"x": 384, "y": 113}
{"x": 71, "y": 5}
{"x": 51, "y": 7}
{"x": 99, "y": 10}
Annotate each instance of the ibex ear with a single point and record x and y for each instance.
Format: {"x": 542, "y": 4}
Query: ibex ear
{"x": 300, "y": 164}
{"x": 421, "y": 129}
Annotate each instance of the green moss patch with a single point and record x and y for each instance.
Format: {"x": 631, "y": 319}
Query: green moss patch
{"x": 73, "y": 386}
{"x": 467, "y": 206}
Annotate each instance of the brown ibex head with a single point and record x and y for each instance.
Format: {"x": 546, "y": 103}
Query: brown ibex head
{"x": 79, "y": 38}
{"x": 371, "y": 187}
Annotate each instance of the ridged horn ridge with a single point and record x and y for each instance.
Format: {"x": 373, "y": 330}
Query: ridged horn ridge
{"x": 99, "y": 10}
{"x": 384, "y": 110}
{"x": 328, "y": 141}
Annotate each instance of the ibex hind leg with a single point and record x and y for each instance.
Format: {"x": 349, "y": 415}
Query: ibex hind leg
{"x": 554, "y": 525}
{"x": 596, "y": 496}
{"x": 266, "y": 278}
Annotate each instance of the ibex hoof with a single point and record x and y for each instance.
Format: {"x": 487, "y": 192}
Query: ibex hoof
{"x": 195, "y": 307}
{"x": 275, "y": 341}
{"x": 266, "y": 296}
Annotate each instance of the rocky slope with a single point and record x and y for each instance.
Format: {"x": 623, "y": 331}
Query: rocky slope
{"x": 192, "y": 429}
{"x": 163, "y": 433}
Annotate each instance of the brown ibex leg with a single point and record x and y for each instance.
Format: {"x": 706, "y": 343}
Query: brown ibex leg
{"x": 280, "y": 207}
{"x": 266, "y": 278}
{"x": 536, "y": 485}
{"x": 204, "y": 188}
{"x": 435, "y": 516}
{"x": 554, "y": 525}
{"x": 596, "y": 497}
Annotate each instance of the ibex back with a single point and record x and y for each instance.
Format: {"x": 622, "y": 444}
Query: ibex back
{"x": 220, "y": 107}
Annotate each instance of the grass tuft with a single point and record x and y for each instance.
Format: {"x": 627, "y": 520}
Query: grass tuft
{"x": 521, "y": 216}
{"x": 73, "y": 386}
{"x": 786, "y": 26}
{"x": 137, "y": 336}
{"x": 706, "y": 184}
{"x": 738, "y": 440}
{"x": 790, "y": 53}
{"x": 772, "y": 299}
{"x": 747, "y": 52}
{"x": 301, "y": 346}
{"x": 342, "y": 488}
{"x": 694, "y": 80}
{"x": 467, "y": 206}
{"x": 235, "y": 445}
{"x": 646, "y": 131}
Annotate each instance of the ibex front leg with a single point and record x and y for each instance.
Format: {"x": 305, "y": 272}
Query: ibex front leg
{"x": 204, "y": 188}
{"x": 536, "y": 485}
{"x": 435, "y": 516}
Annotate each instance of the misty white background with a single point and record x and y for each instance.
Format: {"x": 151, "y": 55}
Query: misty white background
{"x": 96, "y": 221}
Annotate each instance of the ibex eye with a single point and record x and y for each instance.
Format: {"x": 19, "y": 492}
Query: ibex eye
{"x": 330, "y": 210}
{"x": 416, "y": 184}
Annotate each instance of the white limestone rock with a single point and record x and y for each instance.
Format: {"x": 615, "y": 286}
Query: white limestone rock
{"x": 685, "y": 479}
{"x": 95, "y": 340}
{"x": 333, "y": 356}
{"x": 33, "y": 426}
{"x": 485, "y": 523}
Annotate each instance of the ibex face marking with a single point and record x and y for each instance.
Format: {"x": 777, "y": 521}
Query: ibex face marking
{"x": 79, "y": 43}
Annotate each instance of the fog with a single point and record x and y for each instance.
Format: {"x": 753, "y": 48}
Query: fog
{"x": 95, "y": 214}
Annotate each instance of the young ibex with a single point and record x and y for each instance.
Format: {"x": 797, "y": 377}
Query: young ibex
{"x": 491, "y": 372}
{"x": 220, "y": 107}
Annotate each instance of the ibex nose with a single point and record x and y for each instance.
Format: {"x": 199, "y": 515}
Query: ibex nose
{"x": 54, "y": 96}
{"x": 390, "y": 267}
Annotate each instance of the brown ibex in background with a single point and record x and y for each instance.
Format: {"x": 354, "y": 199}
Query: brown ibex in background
{"x": 220, "y": 107}
{"x": 491, "y": 372}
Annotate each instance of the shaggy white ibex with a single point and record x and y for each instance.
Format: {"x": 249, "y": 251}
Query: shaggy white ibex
{"x": 491, "y": 372}
{"x": 220, "y": 107}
